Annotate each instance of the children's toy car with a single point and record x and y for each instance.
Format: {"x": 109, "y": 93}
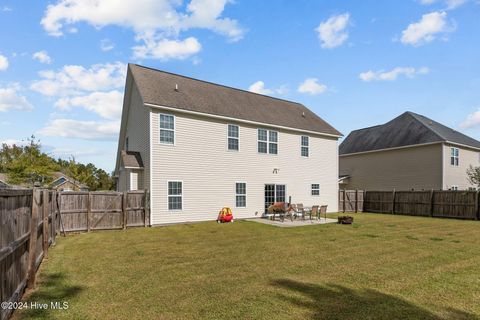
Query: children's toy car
{"x": 225, "y": 215}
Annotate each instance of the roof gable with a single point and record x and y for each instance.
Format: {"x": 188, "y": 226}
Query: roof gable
{"x": 408, "y": 129}
{"x": 159, "y": 88}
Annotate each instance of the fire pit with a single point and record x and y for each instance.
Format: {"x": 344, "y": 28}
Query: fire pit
{"x": 345, "y": 220}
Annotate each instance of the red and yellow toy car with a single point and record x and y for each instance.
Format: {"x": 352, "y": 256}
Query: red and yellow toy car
{"x": 225, "y": 215}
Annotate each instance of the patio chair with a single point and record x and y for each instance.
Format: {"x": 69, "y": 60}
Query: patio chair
{"x": 323, "y": 209}
{"x": 300, "y": 211}
{"x": 314, "y": 212}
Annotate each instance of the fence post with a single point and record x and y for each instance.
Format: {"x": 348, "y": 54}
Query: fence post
{"x": 45, "y": 223}
{"x": 393, "y": 202}
{"x": 89, "y": 211}
{"x": 356, "y": 200}
{"x": 32, "y": 250}
{"x": 124, "y": 209}
{"x": 344, "y": 200}
{"x": 146, "y": 207}
{"x": 54, "y": 217}
{"x": 431, "y": 203}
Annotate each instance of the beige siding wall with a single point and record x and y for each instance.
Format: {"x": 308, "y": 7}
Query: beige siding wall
{"x": 456, "y": 175}
{"x": 209, "y": 171}
{"x": 401, "y": 169}
{"x": 138, "y": 133}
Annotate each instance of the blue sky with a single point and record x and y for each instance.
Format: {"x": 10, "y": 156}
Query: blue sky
{"x": 355, "y": 63}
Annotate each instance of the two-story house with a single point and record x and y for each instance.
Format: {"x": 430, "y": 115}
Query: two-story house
{"x": 408, "y": 152}
{"x": 199, "y": 146}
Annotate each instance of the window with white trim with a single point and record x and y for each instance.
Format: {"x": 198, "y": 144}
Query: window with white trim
{"x": 167, "y": 129}
{"x": 267, "y": 141}
{"x": 454, "y": 156}
{"x": 305, "y": 146}
{"x": 315, "y": 189}
{"x": 240, "y": 195}
{"x": 175, "y": 193}
{"x": 233, "y": 137}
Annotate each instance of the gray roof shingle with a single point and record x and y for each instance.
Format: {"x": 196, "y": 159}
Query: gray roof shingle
{"x": 405, "y": 130}
{"x": 158, "y": 87}
{"x": 132, "y": 159}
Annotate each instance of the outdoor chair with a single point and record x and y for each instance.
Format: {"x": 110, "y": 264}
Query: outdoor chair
{"x": 300, "y": 211}
{"x": 323, "y": 209}
{"x": 314, "y": 212}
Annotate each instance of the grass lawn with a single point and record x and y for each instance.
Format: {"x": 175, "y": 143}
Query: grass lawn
{"x": 382, "y": 267}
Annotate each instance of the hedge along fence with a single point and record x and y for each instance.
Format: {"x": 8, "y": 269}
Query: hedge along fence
{"x": 30, "y": 220}
{"x": 434, "y": 203}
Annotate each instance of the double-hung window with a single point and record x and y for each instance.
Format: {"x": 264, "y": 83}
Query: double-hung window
{"x": 454, "y": 156}
{"x": 233, "y": 137}
{"x": 267, "y": 141}
{"x": 240, "y": 195}
{"x": 167, "y": 129}
{"x": 315, "y": 189}
{"x": 175, "y": 194}
{"x": 305, "y": 146}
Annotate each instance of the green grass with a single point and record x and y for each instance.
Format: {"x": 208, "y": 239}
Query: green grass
{"x": 382, "y": 267}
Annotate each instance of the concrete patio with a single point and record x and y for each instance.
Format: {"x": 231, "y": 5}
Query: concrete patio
{"x": 295, "y": 223}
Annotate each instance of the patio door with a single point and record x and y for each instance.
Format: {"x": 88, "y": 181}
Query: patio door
{"x": 274, "y": 193}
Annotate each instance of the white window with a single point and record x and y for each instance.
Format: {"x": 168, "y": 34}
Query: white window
{"x": 241, "y": 195}
{"x": 233, "y": 136}
{"x": 454, "y": 156}
{"x": 133, "y": 181}
{"x": 175, "y": 193}
{"x": 267, "y": 141}
{"x": 454, "y": 188}
{"x": 304, "y": 146}
{"x": 315, "y": 189}
{"x": 167, "y": 129}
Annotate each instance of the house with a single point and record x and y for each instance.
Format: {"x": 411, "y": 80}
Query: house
{"x": 199, "y": 146}
{"x": 408, "y": 152}
{"x": 65, "y": 183}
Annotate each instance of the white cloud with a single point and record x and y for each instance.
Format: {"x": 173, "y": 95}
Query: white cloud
{"x": 153, "y": 21}
{"x": 6, "y": 9}
{"x": 259, "y": 87}
{"x": 427, "y": 2}
{"x": 472, "y": 120}
{"x": 42, "y": 56}
{"x": 424, "y": 31}
{"x": 165, "y": 49}
{"x": 12, "y": 142}
{"x": 332, "y": 33}
{"x": 88, "y": 130}
{"x": 312, "y": 87}
{"x": 10, "y": 98}
{"x": 3, "y": 63}
{"x": 107, "y": 104}
{"x": 393, "y": 74}
{"x": 450, "y": 4}
{"x": 75, "y": 79}
{"x": 106, "y": 45}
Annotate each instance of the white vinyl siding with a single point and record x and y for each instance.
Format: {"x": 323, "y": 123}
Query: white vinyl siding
{"x": 167, "y": 129}
{"x": 175, "y": 195}
{"x": 133, "y": 181}
{"x": 210, "y": 171}
{"x": 233, "y": 137}
{"x": 240, "y": 195}
{"x": 456, "y": 175}
{"x": 304, "y": 149}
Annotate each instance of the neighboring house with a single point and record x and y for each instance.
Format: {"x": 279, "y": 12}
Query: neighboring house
{"x": 5, "y": 185}
{"x": 65, "y": 183}
{"x": 199, "y": 146}
{"x": 408, "y": 152}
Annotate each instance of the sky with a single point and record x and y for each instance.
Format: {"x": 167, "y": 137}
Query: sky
{"x": 354, "y": 63}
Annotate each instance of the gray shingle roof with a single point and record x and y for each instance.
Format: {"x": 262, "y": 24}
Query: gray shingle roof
{"x": 158, "y": 87}
{"x": 132, "y": 159}
{"x": 405, "y": 130}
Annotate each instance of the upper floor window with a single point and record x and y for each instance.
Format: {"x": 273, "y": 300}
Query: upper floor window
{"x": 233, "y": 137}
{"x": 315, "y": 189}
{"x": 267, "y": 141}
{"x": 454, "y": 156}
{"x": 305, "y": 146}
{"x": 167, "y": 129}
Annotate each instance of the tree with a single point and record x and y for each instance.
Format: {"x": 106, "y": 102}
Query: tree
{"x": 473, "y": 174}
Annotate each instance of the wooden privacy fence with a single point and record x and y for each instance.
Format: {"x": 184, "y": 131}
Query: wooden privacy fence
{"x": 86, "y": 211}
{"x": 30, "y": 220}
{"x": 350, "y": 200}
{"x": 434, "y": 203}
{"x": 28, "y": 226}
